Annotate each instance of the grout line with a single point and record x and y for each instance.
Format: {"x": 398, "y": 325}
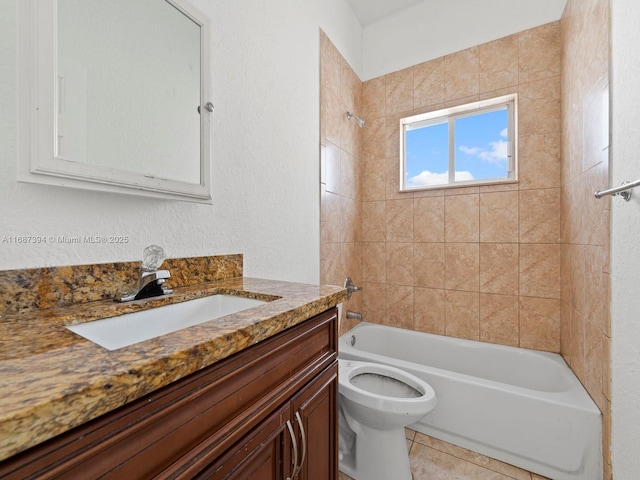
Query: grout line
{"x": 435, "y": 447}
{"x": 459, "y": 460}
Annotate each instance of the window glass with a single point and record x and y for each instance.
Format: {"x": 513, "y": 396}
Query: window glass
{"x": 427, "y": 155}
{"x": 469, "y": 144}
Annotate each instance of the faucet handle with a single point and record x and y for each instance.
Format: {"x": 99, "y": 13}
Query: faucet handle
{"x": 350, "y": 286}
{"x": 152, "y": 258}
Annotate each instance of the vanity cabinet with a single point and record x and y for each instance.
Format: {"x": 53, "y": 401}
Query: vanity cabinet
{"x": 255, "y": 415}
{"x": 268, "y": 452}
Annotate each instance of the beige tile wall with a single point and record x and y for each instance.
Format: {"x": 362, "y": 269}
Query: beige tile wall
{"x": 585, "y": 340}
{"x": 340, "y": 147}
{"x": 481, "y": 262}
{"x": 524, "y": 264}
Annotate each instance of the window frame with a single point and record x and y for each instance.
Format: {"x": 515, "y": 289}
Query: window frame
{"x": 450, "y": 115}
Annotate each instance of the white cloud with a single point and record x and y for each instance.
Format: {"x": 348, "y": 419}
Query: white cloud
{"x": 497, "y": 153}
{"x": 426, "y": 178}
{"x": 504, "y": 133}
{"x": 470, "y": 151}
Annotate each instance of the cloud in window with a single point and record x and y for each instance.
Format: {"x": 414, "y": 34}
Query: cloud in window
{"x": 426, "y": 178}
{"x": 470, "y": 151}
{"x": 496, "y": 153}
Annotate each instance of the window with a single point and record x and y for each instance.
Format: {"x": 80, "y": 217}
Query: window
{"x": 466, "y": 145}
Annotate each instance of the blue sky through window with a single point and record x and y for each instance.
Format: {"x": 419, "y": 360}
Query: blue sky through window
{"x": 427, "y": 151}
{"x": 480, "y": 143}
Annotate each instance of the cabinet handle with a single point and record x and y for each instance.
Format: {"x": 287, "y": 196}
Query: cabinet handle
{"x": 303, "y": 435}
{"x": 295, "y": 450}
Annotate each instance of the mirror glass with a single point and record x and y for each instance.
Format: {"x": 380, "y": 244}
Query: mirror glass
{"x": 116, "y": 96}
{"x": 128, "y": 76}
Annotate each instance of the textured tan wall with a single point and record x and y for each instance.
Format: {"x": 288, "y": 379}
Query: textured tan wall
{"x": 481, "y": 263}
{"x": 524, "y": 264}
{"x": 585, "y": 340}
{"x": 340, "y": 147}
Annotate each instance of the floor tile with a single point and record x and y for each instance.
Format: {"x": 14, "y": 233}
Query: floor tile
{"x": 432, "y": 464}
{"x": 473, "y": 457}
{"x": 433, "y": 459}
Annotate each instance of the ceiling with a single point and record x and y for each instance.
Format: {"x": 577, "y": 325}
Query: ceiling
{"x": 370, "y": 11}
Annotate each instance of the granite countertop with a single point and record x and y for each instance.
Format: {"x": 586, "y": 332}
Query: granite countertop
{"x": 52, "y": 380}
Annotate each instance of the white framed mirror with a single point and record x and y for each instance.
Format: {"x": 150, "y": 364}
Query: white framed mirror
{"x": 115, "y": 96}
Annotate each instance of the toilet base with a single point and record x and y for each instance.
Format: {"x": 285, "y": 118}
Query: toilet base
{"x": 379, "y": 455}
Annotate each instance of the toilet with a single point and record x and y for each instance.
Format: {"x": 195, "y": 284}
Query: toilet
{"x": 376, "y": 403}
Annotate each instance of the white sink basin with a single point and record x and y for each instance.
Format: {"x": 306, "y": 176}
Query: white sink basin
{"x": 117, "y": 332}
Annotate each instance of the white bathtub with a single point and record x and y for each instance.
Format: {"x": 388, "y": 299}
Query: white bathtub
{"x": 520, "y": 406}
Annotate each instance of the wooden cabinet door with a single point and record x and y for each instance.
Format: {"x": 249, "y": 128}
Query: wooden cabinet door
{"x": 263, "y": 454}
{"x": 263, "y": 463}
{"x": 316, "y": 406}
{"x": 266, "y": 453}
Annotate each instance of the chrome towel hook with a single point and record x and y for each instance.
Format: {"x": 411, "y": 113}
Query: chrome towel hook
{"x": 207, "y": 106}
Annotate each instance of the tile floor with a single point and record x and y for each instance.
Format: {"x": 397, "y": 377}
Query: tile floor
{"x": 433, "y": 459}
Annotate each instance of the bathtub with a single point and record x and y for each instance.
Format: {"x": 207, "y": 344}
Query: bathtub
{"x": 520, "y": 406}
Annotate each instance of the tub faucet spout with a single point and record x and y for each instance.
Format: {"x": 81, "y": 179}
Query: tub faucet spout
{"x": 354, "y": 315}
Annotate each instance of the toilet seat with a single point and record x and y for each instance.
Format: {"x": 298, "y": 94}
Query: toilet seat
{"x": 349, "y": 369}
{"x": 375, "y": 409}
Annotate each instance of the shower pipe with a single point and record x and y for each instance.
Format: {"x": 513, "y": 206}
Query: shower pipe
{"x": 358, "y": 119}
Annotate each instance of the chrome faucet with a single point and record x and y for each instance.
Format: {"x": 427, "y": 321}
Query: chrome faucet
{"x": 351, "y": 287}
{"x": 150, "y": 283}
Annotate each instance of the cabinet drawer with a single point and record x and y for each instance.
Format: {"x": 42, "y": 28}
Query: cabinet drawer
{"x": 205, "y": 412}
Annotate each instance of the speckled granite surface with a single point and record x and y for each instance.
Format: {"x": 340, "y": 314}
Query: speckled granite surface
{"x": 39, "y": 288}
{"x": 52, "y": 380}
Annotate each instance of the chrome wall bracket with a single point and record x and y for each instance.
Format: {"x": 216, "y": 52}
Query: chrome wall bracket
{"x": 624, "y": 190}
